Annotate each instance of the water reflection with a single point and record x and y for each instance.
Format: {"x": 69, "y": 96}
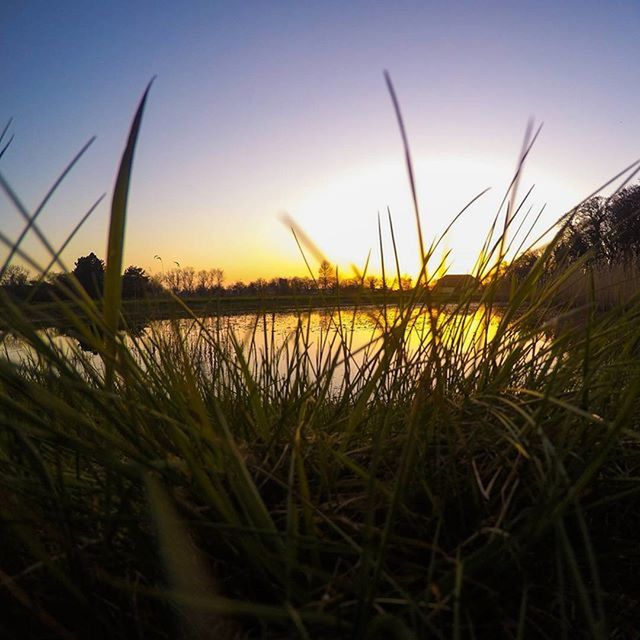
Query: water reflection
{"x": 345, "y": 341}
{"x": 89, "y": 343}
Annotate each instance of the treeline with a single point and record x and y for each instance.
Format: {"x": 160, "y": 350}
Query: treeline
{"x": 182, "y": 281}
{"x": 603, "y": 233}
{"x": 88, "y": 272}
{"x": 301, "y": 285}
{"x": 186, "y": 281}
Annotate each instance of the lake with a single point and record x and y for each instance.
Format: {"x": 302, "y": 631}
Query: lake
{"x": 345, "y": 342}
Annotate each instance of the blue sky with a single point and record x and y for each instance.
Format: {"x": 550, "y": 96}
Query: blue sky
{"x": 265, "y": 107}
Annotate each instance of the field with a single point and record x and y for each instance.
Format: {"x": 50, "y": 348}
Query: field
{"x": 480, "y": 483}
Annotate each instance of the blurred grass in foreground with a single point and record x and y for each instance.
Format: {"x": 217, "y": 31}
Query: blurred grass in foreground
{"x": 199, "y": 489}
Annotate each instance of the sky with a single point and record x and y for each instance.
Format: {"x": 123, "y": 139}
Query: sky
{"x": 261, "y": 109}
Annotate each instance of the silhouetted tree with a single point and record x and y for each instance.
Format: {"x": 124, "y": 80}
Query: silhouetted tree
{"x": 300, "y": 285}
{"x": 136, "y": 283}
{"x": 14, "y": 276}
{"x": 259, "y": 285}
{"x": 204, "y": 280}
{"x": 172, "y": 280}
{"x": 624, "y": 222}
{"x": 325, "y": 275}
{"x": 521, "y": 267}
{"x": 238, "y": 288}
{"x": 188, "y": 280}
{"x": 89, "y": 271}
{"x": 371, "y": 282}
{"x": 603, "y": 230}
{"x": 406, "y": 282}
{"x": 208, "y": 280}
{"x": 218, "y": 277}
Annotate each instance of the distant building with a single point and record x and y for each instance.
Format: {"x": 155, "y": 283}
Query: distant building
{"x": 456, "y": 283}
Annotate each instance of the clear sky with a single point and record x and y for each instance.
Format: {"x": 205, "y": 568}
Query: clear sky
{"x": 265, "y": 107}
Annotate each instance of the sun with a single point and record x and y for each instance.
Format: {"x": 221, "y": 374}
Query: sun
{"x": 341, "y": 215}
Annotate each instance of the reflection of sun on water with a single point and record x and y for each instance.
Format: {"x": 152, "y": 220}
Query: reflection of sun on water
{"x": 327, "y": 332}
{"x": 461, "y": 332}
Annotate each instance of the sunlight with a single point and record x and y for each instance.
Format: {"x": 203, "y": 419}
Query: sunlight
{"x": 341, "y": 216}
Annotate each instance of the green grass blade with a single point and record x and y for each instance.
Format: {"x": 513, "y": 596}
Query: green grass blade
{"x": 115, "y": 247}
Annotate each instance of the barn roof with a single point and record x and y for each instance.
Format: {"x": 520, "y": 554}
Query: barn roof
{"x": 456, "y": 279}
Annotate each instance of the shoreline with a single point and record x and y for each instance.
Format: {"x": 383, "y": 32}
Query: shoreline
{"x": 55, "y": 314}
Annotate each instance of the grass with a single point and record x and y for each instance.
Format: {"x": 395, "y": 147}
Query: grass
{"x": 606, "y": 286}
{"x": 478, "y": 482}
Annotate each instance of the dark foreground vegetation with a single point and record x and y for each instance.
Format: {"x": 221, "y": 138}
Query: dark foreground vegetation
{"x": 478, "y": 482}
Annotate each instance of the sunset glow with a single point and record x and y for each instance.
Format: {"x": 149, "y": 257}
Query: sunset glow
{"x": 263, "y": 110}
{"x": 319, "y": 320}
{"x": 342, "y": 216}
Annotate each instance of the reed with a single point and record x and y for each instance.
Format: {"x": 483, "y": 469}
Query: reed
{"x": 470, "y": 472}
{"x": 606, "y": 286}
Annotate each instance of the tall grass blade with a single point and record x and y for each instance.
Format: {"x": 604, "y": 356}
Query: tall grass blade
{"x": 41, "y": 206}
{"x": 409, "y": 164}
{"x": 2, "y": 135}
{"x": 115, "y": 246}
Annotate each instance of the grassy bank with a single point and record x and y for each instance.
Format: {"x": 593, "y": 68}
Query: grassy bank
{"x": 605, "y": 286}
{"x": 480, "y": 482}
{"x": 452, "y": 488}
